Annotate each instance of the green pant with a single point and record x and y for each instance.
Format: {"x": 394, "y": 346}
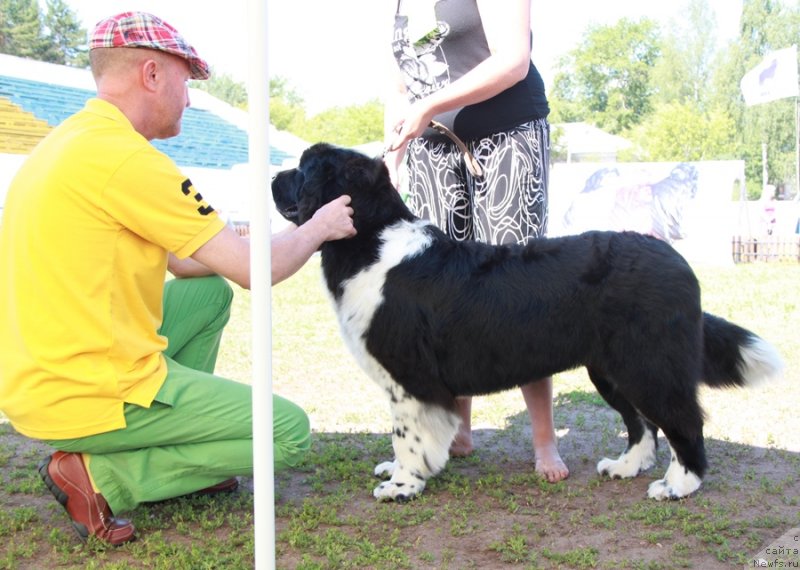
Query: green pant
{"x": 198, "y": 431}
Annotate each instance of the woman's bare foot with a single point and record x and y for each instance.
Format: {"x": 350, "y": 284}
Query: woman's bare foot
{"x": 550, "y": 465}
{"x": 462, "y": 443}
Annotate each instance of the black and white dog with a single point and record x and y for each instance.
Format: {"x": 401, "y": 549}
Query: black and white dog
{"x": 429, "y": 318}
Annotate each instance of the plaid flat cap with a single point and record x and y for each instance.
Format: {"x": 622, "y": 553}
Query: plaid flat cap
{"x": 143, "y": 30}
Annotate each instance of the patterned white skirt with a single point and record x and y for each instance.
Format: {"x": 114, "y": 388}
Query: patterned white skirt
{"x": 507, "y": 205}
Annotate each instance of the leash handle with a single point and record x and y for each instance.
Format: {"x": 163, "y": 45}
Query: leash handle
{"x": 473, "y": 165}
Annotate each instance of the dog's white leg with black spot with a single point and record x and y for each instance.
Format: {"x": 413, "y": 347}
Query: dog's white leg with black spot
{"x": 639, "y": 457}
{"x": 421, "y": 440}
{"x": 678, "y": 482}
{"x": 386, "y": 469}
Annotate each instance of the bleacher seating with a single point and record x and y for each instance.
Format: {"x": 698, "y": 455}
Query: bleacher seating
{"x": 20, "y": 131}
{"x": 206, "y": 140}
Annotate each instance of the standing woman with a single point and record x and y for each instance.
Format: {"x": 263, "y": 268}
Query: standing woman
{"x": 467, "y": 64}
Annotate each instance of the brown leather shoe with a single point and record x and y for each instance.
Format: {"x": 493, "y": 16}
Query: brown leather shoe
{"x": 227, "y": 486}
{"x": 66, "y": 477}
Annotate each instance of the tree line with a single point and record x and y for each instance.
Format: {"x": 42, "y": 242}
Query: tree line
{"x": 673, "y": 92}
{"x": 54, "y": 35}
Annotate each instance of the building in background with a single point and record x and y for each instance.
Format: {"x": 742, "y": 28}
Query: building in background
{"x": 212, "y": 148}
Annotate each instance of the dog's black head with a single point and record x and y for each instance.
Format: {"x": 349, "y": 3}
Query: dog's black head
{"x": 326, "y": 172}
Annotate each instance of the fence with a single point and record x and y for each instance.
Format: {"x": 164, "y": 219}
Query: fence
{"x": 768, "y": 248}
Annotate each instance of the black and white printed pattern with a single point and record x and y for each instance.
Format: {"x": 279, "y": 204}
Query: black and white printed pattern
{"x": 507, "y": 205}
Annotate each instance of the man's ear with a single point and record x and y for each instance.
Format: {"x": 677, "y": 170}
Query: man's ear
{"x": 150, "y": 71}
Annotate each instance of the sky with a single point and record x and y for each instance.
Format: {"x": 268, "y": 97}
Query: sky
{"x": 335, "y": 52}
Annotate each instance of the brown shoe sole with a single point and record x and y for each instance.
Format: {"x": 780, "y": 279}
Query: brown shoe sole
{"x": 60, "y": 495}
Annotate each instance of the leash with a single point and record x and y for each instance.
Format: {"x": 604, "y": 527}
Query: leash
{"x": 473, "y": 166}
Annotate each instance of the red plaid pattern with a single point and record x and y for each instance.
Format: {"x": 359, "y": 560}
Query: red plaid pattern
{"x": 140, "y": 29}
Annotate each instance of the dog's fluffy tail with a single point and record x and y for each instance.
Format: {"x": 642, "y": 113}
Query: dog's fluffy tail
{"x": 734, "y": 356}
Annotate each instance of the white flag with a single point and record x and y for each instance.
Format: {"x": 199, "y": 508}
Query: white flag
{"x": 774, "y": 78}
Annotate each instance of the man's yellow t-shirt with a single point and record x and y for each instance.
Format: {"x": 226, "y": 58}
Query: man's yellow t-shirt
{"x": 88, "y": 222}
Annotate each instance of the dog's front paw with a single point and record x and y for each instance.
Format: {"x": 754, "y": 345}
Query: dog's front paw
{"x": 397, "y": 492}
{"x": 660, "y": 491}
{"x": 637, "y": 458}
{"x": 386, "y": 469}
{"x": 677, "y": 484}
{"x": 617, "y": 468}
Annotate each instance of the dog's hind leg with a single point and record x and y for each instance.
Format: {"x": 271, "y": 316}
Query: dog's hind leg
{"x": 421, "y": 439}
{"x": 673, "y": 407}
{"x": 640, "y": 454}
{"x": 688, "y": 462}
{"x": 679, "y": 481}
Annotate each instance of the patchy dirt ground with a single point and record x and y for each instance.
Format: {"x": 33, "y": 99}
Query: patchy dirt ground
{"x": 489, "y": 511}
{"x": 486, "y": 511}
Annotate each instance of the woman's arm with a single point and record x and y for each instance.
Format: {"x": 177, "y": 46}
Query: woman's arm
{"x": 507, "y": 29}
{"x": 395, "y": 107}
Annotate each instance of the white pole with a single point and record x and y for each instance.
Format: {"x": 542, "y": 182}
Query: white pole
{"x": 797, "y": 147}
{"x": 260, "y": 281}
{"x": 764, "y": 170}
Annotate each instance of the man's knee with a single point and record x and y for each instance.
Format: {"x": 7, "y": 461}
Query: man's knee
{"x": 292, "y": 435}
{"x": 221, "y": 289}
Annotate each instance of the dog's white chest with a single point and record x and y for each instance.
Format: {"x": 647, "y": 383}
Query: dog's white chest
{"x": 362, "y": 294}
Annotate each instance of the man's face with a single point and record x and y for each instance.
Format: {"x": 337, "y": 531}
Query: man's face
{"x": 173, "y": 95}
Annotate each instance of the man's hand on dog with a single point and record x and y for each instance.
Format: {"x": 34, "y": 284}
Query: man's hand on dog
{"x": 337, "y": 217}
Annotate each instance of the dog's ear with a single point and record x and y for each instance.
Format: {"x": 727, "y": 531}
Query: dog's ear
{"x": 330, "y": 172}
{"x": 375, "y": 200}
{"x": 363, "y": 172}
{"x": 323, "y": 180}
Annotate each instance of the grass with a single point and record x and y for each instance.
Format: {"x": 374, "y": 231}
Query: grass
{"x": 486, "y": 511}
